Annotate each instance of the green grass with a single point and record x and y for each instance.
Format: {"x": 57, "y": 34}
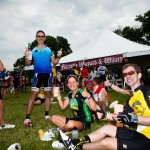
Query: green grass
{"x": 15, "y": 109}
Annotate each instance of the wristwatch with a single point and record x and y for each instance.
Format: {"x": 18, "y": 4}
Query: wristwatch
{"x": 134, "y": 118}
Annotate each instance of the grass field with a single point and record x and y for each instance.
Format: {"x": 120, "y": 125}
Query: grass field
{"x": 28, "y": 137}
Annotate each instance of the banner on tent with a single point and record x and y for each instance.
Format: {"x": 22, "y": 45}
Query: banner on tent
{"x": 109, "y": 60}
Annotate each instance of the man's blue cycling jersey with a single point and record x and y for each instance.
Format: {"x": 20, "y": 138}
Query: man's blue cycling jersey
{"x": 42, "y": 59}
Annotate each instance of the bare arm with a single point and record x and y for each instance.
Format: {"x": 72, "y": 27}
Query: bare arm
{"x": 91, "y": 103}
{"x": 117, "y": 89}
{"x": 62, "y": 104}
{"x": 1, "y": 66}
{"x": 56, "y": 60}
{"x": 144, "y": 120}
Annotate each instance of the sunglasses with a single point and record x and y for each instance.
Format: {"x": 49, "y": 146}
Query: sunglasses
{"x": 130, "y": 73}
{"x": 40, "y": 36}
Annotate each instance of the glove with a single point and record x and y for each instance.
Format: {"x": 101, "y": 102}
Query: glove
{"x": 102, "y": 112}
{"x": 127, "y": 118}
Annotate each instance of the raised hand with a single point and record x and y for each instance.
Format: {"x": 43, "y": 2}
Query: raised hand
{"x": 85, "y": 93}
{"x": 107, "y": 83}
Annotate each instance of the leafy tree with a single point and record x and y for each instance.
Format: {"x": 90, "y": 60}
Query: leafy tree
{"x": 141, "y": 34}
{"x": 145, "y": 27}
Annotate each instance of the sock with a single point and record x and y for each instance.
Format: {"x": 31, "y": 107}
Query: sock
{"x": 27, "y": 116}
{"x": 79, "y": 142}
{"x": 46, "y": 113}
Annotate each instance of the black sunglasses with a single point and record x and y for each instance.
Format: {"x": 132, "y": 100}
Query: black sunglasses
{"x": 40, "y": 36}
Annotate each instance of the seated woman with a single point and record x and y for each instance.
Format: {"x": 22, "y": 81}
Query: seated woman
{"x": 80, "y": 102}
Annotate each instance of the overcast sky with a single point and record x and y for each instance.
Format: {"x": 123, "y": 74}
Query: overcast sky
{"x": 78, "y": 21}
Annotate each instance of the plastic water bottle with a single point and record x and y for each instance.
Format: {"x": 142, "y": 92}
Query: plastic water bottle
{"x": 41, "y": 133}
{"x": 29, "y": 55}
{"x": 106, "y": 103}
{"x": 75, "y": 134}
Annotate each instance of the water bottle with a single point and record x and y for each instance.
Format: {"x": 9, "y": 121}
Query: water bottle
{"x": 29, "y": 54}
{"x": 107, "y": 104}
{"x": 75, "y": 134}
{"x": 41, "y": 133}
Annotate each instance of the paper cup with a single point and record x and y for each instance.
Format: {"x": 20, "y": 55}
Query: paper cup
{"x": 118, "y": 108}
{"x": 55, "y": 91}
{"x": 113, "y": 104}
{"x": 29, "y": 55}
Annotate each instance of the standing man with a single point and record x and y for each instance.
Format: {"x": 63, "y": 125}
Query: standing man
{"x": 42, "y": 57}
{"x": 102, "y": 72}
{"x": 16, "y": 76}
{"x": 3, "y": 125}
{"x": 136, "y": 112}
{"x": 84, "y": 73}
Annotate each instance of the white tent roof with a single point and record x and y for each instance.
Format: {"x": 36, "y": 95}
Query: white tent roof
{"x": 107, "y": 44}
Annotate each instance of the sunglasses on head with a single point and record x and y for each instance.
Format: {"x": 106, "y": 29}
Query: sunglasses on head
{"x": 128, "y": 73}
{"x": 74, "y": 76}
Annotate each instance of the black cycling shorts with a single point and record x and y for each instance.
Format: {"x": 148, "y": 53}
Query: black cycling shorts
{"x": 42, "y": 78}
{"x": 128, "y": 139}
{"x": 86, "y": 125}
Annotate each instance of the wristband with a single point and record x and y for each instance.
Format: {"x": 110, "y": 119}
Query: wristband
{"x": 89, "y": 97}
{"x": 134, "y": 118}
{"x": 104, "y": 114}
{"x": 107, "y": 115}
{"x": 59, "y": 97}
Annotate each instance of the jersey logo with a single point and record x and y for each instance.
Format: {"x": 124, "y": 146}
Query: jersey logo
{"x": 137, "y": 106}
{"x": 74, "y": 104}
{"x": 38, "y": 50}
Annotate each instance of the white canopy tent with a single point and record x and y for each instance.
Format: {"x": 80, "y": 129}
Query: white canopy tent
{"x": 107, "y": 44}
